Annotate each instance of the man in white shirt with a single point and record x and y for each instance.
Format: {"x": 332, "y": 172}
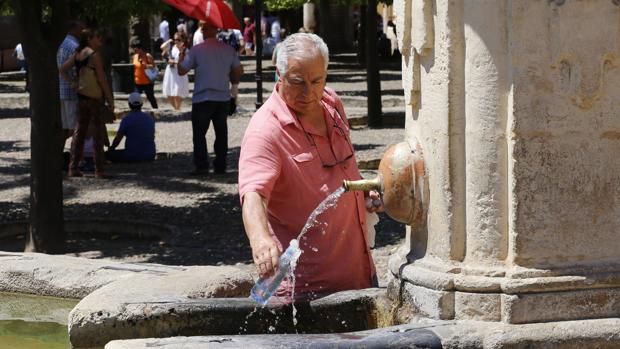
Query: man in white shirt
{"x": 164, "y": 30}
{"x": 275, "y": 31}
{"x": 198, "y": 37}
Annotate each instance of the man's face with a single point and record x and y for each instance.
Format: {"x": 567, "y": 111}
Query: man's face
{"x": 302, "y": 85}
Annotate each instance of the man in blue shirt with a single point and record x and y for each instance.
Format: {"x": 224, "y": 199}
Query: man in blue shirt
{"x": 216, "y": 66}
{"x": 68, "y": 95}
{"x": 139, "y": 128}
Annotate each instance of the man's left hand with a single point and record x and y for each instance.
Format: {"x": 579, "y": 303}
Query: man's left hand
{"x": 374, "y": 202}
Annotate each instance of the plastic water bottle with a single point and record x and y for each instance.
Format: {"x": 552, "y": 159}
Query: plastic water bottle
{"x": 265, "y": 287}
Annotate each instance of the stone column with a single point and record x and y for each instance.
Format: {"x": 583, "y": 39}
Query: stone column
{"x": 515, "y": 104}
{"x": 487, "y": 89}
{"x": 309, "y": 18}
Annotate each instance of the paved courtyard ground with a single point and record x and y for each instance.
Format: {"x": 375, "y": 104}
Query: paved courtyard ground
{"x": 205, "y": 211}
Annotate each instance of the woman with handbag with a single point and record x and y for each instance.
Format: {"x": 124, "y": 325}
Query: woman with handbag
{"x": 144, "y": 72}
{"x": 92, "y": 88}
{"x": 175, "y": 87}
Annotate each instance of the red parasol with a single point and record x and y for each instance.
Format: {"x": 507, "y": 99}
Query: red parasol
{"x": 214, "y": 12}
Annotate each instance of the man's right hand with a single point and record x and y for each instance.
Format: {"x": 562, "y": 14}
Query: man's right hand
{"x": 265, "y": 252}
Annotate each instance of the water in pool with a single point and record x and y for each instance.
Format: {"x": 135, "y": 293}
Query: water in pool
{"x": 29, "y": 322}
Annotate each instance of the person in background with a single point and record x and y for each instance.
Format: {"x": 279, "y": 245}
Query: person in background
{"x": 68, "y": 95}
{"x": 164, "y": 29}
{"x": 139, "y": 130}
{"x": 198, "y": 38}
{"x": 230, "y": 38}
{"x": 216, "y": 66}
{"x": 275, "y": 30}
{"x": 249, "y": 30}
{"x": 88, "y": 61}
{"x": 181, "y": 27}
{"x": 18, "y": 53}
{"x": 141, "y": 61}
{"x": 296, "y": 151}
{"x": 175, "y": 87}
{"x": 274, "y": 56}
{"x": 190, "y": 26}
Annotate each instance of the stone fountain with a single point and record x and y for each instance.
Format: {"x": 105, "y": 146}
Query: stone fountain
{"x": 508, "y": 178}
{"x": 515, "y": 104}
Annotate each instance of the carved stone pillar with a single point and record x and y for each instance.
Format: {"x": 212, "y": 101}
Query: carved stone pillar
{"x": 515, "y": 104}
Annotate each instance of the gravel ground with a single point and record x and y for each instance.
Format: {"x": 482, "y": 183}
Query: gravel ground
{"x": 205, "y": 211}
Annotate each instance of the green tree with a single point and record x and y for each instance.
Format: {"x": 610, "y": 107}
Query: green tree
{"x": 42, "y": 24}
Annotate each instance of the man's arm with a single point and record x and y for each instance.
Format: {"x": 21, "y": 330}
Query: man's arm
{"x": 265, "y": 250}
{"x": 235, "y": 74}
{"x": 117, "y": 140}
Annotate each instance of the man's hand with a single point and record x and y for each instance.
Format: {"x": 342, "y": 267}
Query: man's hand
{"x": 265, "y": 253}
{"x": 374, "y": 202}
{"x": 265, "y": 250}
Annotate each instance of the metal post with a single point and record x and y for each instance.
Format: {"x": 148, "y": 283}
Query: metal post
{"x": 258, "y": 5}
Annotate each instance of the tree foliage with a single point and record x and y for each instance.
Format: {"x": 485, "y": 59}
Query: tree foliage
{"x": 276, "y": 5}
{"x": 113, "y": 12}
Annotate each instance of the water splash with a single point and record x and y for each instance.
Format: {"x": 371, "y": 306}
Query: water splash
{"x": 329, "y": 202}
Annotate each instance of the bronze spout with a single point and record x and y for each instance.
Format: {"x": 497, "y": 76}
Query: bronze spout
{"x": 364, "y": 184}
{"x": 401, "y": 183}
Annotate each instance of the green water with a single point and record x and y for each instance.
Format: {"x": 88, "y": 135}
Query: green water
{"x": 29, "y": 322}
{"x": 18, "y": 334}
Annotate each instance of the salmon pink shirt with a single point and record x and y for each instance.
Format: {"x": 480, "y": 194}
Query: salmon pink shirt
{"x": 279, "y": 161}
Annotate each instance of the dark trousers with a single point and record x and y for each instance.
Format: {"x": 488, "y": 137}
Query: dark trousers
{"x": 202, "y": 115}
{"x": 149, "y": 91}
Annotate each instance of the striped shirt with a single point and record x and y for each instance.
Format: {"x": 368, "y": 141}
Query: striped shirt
{"x": 65, "y": 51}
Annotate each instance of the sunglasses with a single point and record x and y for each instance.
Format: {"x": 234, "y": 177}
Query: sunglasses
{"x": 313, "y": 144}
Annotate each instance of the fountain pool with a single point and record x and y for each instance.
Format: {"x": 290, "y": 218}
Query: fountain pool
{"x": 33, "y": 322}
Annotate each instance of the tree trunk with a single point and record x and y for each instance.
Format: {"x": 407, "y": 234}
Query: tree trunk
{"x": 373, "y": 80}
{"x": 40, "y": 41}
{"x": 324, "y": 22}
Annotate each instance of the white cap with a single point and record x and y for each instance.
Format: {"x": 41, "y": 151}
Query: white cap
{"x": 135, "y": 99}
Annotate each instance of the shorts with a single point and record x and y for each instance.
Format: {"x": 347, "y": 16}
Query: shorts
{"x": 68, "y": 112}
{"x": 248, "y": 45}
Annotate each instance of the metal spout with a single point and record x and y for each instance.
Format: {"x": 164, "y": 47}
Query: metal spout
{"x": 364, "y": 184}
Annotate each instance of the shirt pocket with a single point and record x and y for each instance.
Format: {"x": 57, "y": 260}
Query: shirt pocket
{"x": 310, "y": 170}
{"x": 304, "y": 159}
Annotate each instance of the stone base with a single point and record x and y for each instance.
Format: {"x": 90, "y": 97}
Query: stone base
{"x": 456, "y": 294}
{"x": 600, "y": 333}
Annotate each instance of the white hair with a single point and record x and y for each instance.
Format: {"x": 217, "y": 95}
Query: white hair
{"x": 300, "y": 46}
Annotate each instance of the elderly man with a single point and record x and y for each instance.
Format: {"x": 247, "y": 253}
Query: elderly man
{"x": 217, "y": 66}
{"x": 296, "y": 151}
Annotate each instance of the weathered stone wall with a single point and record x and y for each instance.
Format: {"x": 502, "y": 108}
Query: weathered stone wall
{"x": 515, "y": 104}
{"x": 566, "y": 67}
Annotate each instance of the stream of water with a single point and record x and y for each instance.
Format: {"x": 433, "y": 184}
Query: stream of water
{"x": 327, "y": 203}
